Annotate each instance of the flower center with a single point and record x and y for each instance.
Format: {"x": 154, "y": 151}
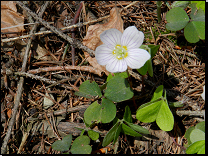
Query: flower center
{"x": 120, "y": 52}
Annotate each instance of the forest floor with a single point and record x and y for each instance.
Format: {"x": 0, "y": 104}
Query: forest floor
{"x": 43, "y": 64}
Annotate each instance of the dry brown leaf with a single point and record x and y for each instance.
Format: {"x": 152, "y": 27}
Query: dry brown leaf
{"x": 42, "y": 53}
{"x": 10, "y": 17}
{"x": 93, "y": 62}
{"x": 92, "y": 38}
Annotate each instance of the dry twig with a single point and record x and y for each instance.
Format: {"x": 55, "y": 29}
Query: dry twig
{"x": 20, "y": 86}
{"x": 75, "y": 43}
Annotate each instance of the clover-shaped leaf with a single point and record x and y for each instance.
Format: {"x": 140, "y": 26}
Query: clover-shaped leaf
{"x": 157, "y": 110}
{"x": 104, "y": 113}
{"x": 81, "y": 145}
{"x": 196, "y": 133}
{"x": 121, "y": 92}
{"x": 197, "y": 147}
{"x": 177, "y": 19}
{"x": 196, "y": 139}
{"x": 89, "y": 90}
{"x": 93, "y": 135}
{"x": 194, "y": 31}
{"x": 62, "y": 145}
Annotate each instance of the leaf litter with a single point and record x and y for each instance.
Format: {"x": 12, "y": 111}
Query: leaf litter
{"x": 181, "y": 70}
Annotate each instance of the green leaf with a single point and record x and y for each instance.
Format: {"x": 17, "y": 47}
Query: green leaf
{"x": 93, "y": 135}
{"x": 110, "y": 135}
{"x": 150, "y": 70}
{"x": 177, "y": 19}
{"x": 118, "y": 89}
{"x": 149, "y": 112}
{"x": 64, "y": 144}
{"x": 127, "y": 114}
{"x": 197, "y": 135}
{"x": 201, "y": 126}
{"x": 89, "y": 90}
{"x": 182, "y": 4}
{"x": 196, "y": 147}
{"x": 108, "y": 111}
{"x": 187, "y": 135}
{"x": 117, "y": 133}
{"x": 194, "y": 31}
{"x": 81, "y": 145}
{"x": 92, "y": 113}
{"x": 154, "y": 49}
{"x": 197, "y": 15}
{"x": 104, "y": 113}
{"x": 143, "y": 70}
{"x": 137, "y": 128}
{"x": 110, "y": 76}
{"x": 123, "y": 74}
{"x": 200, "y": 4}
{"x": 82, "y": 132}
{"x": 128, "y": 131}
{"x": 201, "y": 150}
{"x": 165, "y": 117}
{"x": 157, "y": 109}
{"x": 158, "y": 93}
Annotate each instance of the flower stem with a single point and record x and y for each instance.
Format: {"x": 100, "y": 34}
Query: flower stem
{"x": 159, "y": 4}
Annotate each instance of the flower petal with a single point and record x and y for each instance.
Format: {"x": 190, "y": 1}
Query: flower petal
{"x": 111, "y": 37}
{"x": 103, "y": 54}
{"x": 137, "y": 58}
{"x": 132, "y": 38}
{"x": 203, "y": 94}
{"x": 115, "y": 66}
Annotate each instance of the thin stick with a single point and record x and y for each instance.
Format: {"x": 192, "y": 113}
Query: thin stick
{"x": 191, "y": 113}
{"x": 82, "y": 68}
{"x": 129, "y": 5}
{"x": 75, "y": 43}
{"x": 20, "y": 87}
{"x": 78, "y": 25}
{"x": 40, "y": 78}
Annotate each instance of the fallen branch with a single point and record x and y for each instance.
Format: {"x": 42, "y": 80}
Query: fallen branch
{"x": 74, "y": 42}
{"x": 63, "y": 68}
{"x": 20, "y": 87}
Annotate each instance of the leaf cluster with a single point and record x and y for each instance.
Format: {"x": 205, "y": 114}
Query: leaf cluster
{"x": 194, "y": 24}
{"x": 196, "y": 139}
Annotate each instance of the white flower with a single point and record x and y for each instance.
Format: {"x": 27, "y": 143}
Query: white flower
{"x": 203, "y": 93}
{"x": 121, "y": 50}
